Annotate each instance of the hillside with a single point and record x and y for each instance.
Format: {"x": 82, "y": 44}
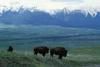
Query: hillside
{"x": 30, "y": 31}
{"x": 24, "y": 37}
{"x": 84, "y": 57}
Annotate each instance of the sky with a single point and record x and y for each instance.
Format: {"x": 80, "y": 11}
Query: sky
{"x": 91, "y": 7}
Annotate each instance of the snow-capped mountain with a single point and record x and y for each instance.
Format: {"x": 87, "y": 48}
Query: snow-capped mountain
{"x": 73, "y": 19}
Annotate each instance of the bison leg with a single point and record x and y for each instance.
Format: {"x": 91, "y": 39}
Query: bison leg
{"x": 43, "y": 54}
{"x": 60, "y": 57}
{"x": 51, "y": 54}
{"x": 35, "y": 53}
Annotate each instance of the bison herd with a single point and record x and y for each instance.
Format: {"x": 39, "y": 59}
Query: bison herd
{"x": 60, "y": 51}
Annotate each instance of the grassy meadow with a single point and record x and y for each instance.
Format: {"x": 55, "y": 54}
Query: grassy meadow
{"x": 80, "y": 42}
{"x": 77, "y": 57}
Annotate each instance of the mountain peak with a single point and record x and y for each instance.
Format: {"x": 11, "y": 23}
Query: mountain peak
{"x": 61, "y": 18}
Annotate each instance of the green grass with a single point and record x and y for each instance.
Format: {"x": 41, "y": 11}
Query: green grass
{"x": 77, "y": 57}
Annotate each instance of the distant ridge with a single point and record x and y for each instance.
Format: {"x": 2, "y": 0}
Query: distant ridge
{"x": 73, "y": 19}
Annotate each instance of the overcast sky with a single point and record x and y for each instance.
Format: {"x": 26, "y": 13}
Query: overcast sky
{"x": 90, "y": 6}
{"x": 68, "y": 0}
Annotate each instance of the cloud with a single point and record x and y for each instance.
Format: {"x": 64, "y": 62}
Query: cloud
{"x": 85, "y": 6}
{"x": 67, "y": 0}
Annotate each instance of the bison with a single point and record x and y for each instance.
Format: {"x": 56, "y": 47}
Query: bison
{"x": 10, "y": 49}
{"x": 42, "y": 50}
{"x": 60, "y": 51}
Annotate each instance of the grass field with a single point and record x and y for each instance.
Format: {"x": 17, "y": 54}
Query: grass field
{"x": 77, "y": 57}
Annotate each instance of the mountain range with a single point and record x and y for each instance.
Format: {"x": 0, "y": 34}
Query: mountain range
{"x": 74, "y": 19}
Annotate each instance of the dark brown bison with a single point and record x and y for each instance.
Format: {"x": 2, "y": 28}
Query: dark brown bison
{"x": 60, "y": 51}
{"x": 10, "y": 49}
{"x": 42, "y": 50}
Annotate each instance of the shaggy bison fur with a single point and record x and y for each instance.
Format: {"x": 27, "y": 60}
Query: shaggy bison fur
{"x": 42, "y": 50}
{"x": 10, "y": 49}
{"x": 60, "y": 51}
